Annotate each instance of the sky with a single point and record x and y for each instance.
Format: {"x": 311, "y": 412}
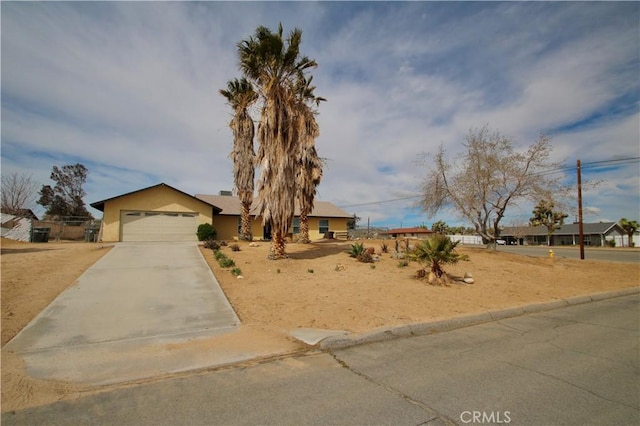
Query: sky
{"x": 130, "y": 90}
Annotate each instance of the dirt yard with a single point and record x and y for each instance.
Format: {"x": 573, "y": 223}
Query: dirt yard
{"x": 319, "y": 286}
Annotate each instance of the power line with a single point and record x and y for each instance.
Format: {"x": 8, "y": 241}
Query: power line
{"x": 591, "y": 165}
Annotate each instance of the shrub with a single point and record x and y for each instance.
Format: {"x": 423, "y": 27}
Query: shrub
{"x": 236, "y": 271}
{"x": 356, "y": 250}
{"x": 212, "y": 244}
{"x": 225, "y": 262}
{"x": 223, "y": 243}
{"x": 206, "y": 231}
{"x": 384, "y": 248}
{"x": 234, "y": 247}
{"x": 310, "y": 271}
{"x": 436, "y": 251}
{"x": 219, "y": 255}
{"x": 365, "y": 257}
{"x": 403, "y": 263}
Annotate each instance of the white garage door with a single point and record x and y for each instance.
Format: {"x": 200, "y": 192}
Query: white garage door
{"x": 158, "y": 226}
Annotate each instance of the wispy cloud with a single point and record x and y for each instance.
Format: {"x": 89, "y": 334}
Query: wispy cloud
{"x": 130, "y": 90}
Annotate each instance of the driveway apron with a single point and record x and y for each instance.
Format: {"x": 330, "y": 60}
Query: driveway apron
{"x": 136, "y": 297}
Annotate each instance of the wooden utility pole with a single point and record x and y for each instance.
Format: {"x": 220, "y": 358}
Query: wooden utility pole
{"x": 580, "y": 228}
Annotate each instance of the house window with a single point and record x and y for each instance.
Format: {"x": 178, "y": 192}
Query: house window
{"x": 324, "y": 226}
{"x": 296, "y": 225}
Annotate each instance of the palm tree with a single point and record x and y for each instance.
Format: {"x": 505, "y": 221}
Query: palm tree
{"x": 630, "y": 227}
{"x": 275, "y": 67}
{"x": 241, "y": 96}
{"x": 436, "y": 251}
{"x": 309, "y": 173}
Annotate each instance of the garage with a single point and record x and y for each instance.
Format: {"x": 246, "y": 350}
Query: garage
{"x": 158, "y": 226}
{"x": 156, "y": 213}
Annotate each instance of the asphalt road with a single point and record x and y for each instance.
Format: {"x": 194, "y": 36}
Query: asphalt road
{"x": 577, "y": 365}
{"x": 631, "y": 255}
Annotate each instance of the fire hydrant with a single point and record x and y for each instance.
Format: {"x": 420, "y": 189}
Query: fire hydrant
{"x": 551, "y": 253}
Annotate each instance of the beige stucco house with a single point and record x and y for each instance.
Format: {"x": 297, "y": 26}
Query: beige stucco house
{"x": 164, "y": 213}
{"x": 156, "y": 213}
{"x": 325, "y": 218}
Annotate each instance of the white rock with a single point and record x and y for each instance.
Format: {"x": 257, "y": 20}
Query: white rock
{"x": 468, "y": 280}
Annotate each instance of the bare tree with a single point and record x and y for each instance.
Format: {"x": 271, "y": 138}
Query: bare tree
{"x": 18, "y": 192}
{"x": 489, "y": 176}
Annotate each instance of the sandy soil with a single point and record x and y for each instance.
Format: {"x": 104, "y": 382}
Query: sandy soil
{"x": 319, "y": 286}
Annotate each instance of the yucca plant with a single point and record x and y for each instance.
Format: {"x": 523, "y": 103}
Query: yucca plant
{"x": 436, "y": 251}
{"x": 356, "y": 250}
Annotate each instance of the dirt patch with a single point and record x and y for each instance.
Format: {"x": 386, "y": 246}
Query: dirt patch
{"x": 35, "y": 274}
{"x": 319, "y": 286}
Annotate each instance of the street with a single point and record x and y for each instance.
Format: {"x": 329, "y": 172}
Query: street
{"x": 576, "y": 365}
{"x": 631, "y": 255}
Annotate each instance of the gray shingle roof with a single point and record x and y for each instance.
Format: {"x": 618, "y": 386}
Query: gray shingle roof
{"x": 230, "y": 205}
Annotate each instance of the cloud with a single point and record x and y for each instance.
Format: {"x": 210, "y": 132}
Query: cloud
{"x": 131, "y": 90}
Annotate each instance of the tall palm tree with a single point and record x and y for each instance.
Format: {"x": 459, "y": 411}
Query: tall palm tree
{"x": 309, "y": 172}
{"x": 241, "y": 96}
{"x": 274, "y": 65}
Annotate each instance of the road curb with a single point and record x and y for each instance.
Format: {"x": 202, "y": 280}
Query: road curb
{"x": 419, "y": 329}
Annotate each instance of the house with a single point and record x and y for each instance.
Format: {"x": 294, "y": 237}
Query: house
{"x": 595, "y": 234}
{"x": 164, "y": 213}
{"x": 419, "y": 232}
{"x": 156, "y": 213}
{"x": 325, "y": 219}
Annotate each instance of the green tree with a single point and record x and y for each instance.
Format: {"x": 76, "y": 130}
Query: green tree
{"x": 436, "y": 251}
{"x": 241, "y": 96}
{"x": 276, "y": 69}
{"x": 65, "y": 198}
{"x": 489, "y": 176}
{"x": 544, "y": 214}
{"x": 440, "y": 227}
{"x": 630, "y": 227}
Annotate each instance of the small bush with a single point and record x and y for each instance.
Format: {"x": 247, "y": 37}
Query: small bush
{"x": 212, "y": 244}
{"x": 403, "y": 263}
{"x": 384, "y": 248}
{"x": 219, "y": 255}
{"x": 356, "y": 250}
{"x": 225, "y": 262}
{"x": 310, "y": 271}
{"x": 223, "y": 243}
{"x": 372, "y": 266}
{"x": 206, "y": 231}
{"x": 236, "y": 271}
{"x": 234, "y": 247}
{"x": 365, "y": 257}
{"x": 278, "y": 271}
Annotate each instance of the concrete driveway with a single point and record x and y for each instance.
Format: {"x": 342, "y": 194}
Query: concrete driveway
{"x": 115, "y": 322}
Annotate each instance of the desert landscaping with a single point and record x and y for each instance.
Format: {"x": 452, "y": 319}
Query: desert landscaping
{"x": 318, "y": 286}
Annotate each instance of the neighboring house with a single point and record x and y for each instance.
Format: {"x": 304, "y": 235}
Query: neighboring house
{"x": 595, "y": 234}
{"x": 27, "y": 213}
{"x": 15, "y": 227}
{"x": 164, "y": 213}
{"x": 420, "y": 233}
{"x": 325, "y": 220}
{"x": 156, "y": 213}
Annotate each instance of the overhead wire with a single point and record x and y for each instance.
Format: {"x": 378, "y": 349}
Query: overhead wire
{"x": 562, "y": 168}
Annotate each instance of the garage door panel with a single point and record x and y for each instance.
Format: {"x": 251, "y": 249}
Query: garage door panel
{"x": 158, "y": 226}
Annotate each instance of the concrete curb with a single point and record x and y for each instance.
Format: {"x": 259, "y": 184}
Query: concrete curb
{"x": 418, "y": 329}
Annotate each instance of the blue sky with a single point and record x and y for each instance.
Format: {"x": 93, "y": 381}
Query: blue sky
{"x": 130, "y": 90}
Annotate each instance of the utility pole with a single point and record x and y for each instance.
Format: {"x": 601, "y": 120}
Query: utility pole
{"x": 580, "y": 228}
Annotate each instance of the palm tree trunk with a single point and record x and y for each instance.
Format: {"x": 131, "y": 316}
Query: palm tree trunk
{"x": 304, "y": 228}
{"x": 245, "y": 222}
{"x": 277, "y": 246}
